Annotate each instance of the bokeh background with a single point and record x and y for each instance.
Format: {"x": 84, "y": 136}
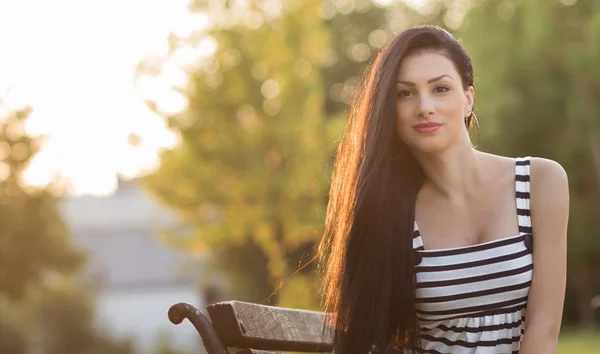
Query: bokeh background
{"x": 161, "y": 151}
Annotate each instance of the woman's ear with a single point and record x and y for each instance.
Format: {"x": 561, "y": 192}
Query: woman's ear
{"x": 470, "y": 96}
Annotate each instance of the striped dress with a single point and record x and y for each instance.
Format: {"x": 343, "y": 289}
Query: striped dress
{"x": 473, "y": 299}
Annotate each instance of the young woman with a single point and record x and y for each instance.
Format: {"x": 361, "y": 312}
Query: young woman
{"x": 432, "y": 246}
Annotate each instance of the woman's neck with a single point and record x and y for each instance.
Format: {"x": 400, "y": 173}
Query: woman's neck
{"x": 454, "y": 173}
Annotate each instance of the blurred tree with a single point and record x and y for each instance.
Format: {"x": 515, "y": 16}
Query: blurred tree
{"x": 538, "y": 95}
{"x": 39, "y": 300}
{"x": 34, "y": 241}
{"x": 252, "y": 169}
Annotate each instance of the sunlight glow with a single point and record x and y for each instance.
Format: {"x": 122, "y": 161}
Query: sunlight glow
{"x": 76, "y": 69}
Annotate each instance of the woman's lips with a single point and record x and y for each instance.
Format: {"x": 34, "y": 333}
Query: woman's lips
{"x": 429, "y": 127}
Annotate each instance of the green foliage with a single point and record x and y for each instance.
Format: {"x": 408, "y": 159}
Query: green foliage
{"x": 240, "y": 174}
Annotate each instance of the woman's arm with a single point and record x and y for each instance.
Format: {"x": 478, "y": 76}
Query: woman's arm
{"x": 549, "y": 205}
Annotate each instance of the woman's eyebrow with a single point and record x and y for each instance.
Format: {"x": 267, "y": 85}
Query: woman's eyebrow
{"x": 408, "y": 83}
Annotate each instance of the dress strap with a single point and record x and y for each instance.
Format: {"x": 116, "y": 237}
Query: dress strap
{"x": 522, "y": 187}
{"x": 417, "y": 241}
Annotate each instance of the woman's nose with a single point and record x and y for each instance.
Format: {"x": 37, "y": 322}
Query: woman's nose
{"x": 426, "y": 106}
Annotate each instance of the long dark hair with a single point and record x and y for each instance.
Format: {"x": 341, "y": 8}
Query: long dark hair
{"x": 366, "y": 253}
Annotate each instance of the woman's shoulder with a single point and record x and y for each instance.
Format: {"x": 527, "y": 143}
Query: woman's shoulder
{"x": 547, "y": 176}
{"x": 549, "y": 199}
{"x": 544, "y": 167}
{"x": 541, "y": 167}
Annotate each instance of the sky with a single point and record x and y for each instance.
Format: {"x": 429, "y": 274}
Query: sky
{"x": 73, "y": 61}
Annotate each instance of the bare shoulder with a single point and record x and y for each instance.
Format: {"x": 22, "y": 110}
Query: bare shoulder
{"x": 548, "y": 175}
{"x": 549, "y": 201}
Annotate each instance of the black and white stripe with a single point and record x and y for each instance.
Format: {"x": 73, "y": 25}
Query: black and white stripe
{"x": 473, "y": 299}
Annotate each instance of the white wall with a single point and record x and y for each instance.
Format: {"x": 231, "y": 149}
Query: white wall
{"x": 141, "y": 276}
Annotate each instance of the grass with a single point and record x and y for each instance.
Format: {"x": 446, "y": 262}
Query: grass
{"x": 579, "y": 342}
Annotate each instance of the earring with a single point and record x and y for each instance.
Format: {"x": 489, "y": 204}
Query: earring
{"x": 474, "y": 116}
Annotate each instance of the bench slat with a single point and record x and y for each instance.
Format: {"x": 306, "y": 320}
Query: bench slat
{"x": 246, "y": 325}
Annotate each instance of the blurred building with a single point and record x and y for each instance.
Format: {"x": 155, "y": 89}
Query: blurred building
{"x": 140, "y": 275}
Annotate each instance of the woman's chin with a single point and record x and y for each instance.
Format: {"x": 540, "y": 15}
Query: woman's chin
{"x": 429, "y": 147}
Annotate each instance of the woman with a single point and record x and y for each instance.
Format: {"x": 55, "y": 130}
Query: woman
{"x": 429, "y": 243}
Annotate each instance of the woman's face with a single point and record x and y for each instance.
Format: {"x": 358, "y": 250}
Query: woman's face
{"x": 431, "y": 102}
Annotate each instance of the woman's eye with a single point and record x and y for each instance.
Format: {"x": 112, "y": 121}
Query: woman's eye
{"x": 404, "y": 93}
{"x": 441, "y": 89}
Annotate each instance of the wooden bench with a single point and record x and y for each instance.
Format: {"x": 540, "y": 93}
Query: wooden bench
{"x": 253, "y": 328}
